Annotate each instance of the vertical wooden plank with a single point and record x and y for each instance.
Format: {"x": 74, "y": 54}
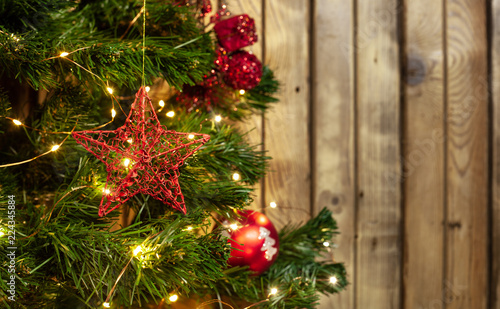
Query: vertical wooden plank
{"x": 424, "y": 160}
{"x": 334, "y": 132}
{"x": 495, "y": 220}
{"x": 378, "y": 274}
{"x": 253, "y": 124}
{"x": 467, "y": 154}
{"x": 286, "y": 125}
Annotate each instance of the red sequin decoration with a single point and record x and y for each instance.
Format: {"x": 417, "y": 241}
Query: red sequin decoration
{"x": 236, "y": 32}
{"x": 141, "y": 156}
{"x": 244, "y": 71}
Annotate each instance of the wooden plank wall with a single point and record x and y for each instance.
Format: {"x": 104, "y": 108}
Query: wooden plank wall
{"x": 389, "y": 116}
{"x": 424, "y": 182}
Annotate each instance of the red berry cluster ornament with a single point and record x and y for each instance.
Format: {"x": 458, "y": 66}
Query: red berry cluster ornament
{"x": 254, "y": 240}
{"x": 233, "y": 67}
{"x": 244, "y": 71}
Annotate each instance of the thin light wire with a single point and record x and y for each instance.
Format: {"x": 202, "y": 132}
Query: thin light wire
{"x": 41, "y": 155}
{"x": 143, "y": 41}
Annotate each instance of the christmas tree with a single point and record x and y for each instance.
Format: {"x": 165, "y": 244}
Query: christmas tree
{"x": 124, "y": 180}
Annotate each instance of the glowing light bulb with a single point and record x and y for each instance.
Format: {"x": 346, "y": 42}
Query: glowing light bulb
{"x": 113, "y": 113}
{"x": 173, "y": 298}
{"x": 273, "y": 205}
{"x": 137, "y": 250}
{"x": 326, "y": 244}
{"x": 234, "y": 226}
{"x": 171, "y": 114}
{"x": 333, "y": 280}
{"x": 106, "y": 305}
{"x": 242, "y": 91}
{"x": 126, "y": 162}
{"x": 191, "y": 136}
{"x": 161, "y": 103}
{"x": 274, "y": 291}
{"x": 63, "y": 54}
{"x": 1, "y": 233}
{"x": 148, "y": 88}
{"x": 106, "y": 191}
{"x": 55, "y": 147}
{"x": 218, "y": 118}
{"x": 110, "y": 90}
{"x": 130, "y": 141}
{"x": 236, "y": 176}
{"x": 189, "y": 228}
{"x": 17, "y": 122}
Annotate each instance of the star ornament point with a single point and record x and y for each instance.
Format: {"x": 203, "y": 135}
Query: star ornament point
{"x": 141, "y": 156}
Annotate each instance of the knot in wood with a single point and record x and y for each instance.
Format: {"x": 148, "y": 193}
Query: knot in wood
{"x": 415, "y": 70}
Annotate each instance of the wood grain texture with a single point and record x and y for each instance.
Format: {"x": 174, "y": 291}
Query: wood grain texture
{"x": 495, "y": 241}
{"x": 334, "y": 131}
{"x": 254, "y": 124}
{"x": 424, "y": 159}
{"x": 467, "y": 155}
{"x": 286, "y": 125}
{"x": 378, "y": 274}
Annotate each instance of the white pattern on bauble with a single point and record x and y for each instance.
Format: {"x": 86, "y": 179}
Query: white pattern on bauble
{"x": 269, "y": 243}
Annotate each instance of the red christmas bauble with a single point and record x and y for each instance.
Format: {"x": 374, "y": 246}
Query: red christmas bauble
{"x": 236, "y": 32}
{"x": 255, "y": 242}
{"x": 244, "y": 71}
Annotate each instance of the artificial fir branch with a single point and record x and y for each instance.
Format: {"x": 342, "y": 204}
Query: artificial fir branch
{"x": 68, "y": 257}
{"x": 259, "y": 97}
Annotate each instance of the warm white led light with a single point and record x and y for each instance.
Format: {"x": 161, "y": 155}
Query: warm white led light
{"x": 55, "y": 147}
{"x": 273, "y": 205}
{"x": 171, "y": 114}
{"x": 110, "y": 90}
{"x": 236, "y": 176}
{"x": 326, "y": 244}
{"x": 161, "y": 103}
{"x": 148, "y": 88}
{"x": 191, "y": 136}
{"x": 106, "y": 305}
{"x": 189, "y": 228}
{"x": 126, "y": 162}
{"x": 218, "y": 118}
{"x": 1, "y": 233}
{"x": 333, "y": 280}
{"x": 63, "y": 54}
{"x": 130, "y": 141}
{"x": 234, "y": 226}
{"x": 173, "y": 298}
{"x": 137, "y": 250}
{"x": 106, "y": 191}
{"x": 113, "y": 113}
{"x": 17, "y": 122}
{"x": 274, "y": 291}
{"x": 242, "y": 91}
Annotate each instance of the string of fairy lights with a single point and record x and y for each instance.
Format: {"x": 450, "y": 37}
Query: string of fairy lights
{"x": 142, "y": 252}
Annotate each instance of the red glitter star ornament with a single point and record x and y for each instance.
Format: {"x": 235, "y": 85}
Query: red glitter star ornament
{"x": 141, "y": 156}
